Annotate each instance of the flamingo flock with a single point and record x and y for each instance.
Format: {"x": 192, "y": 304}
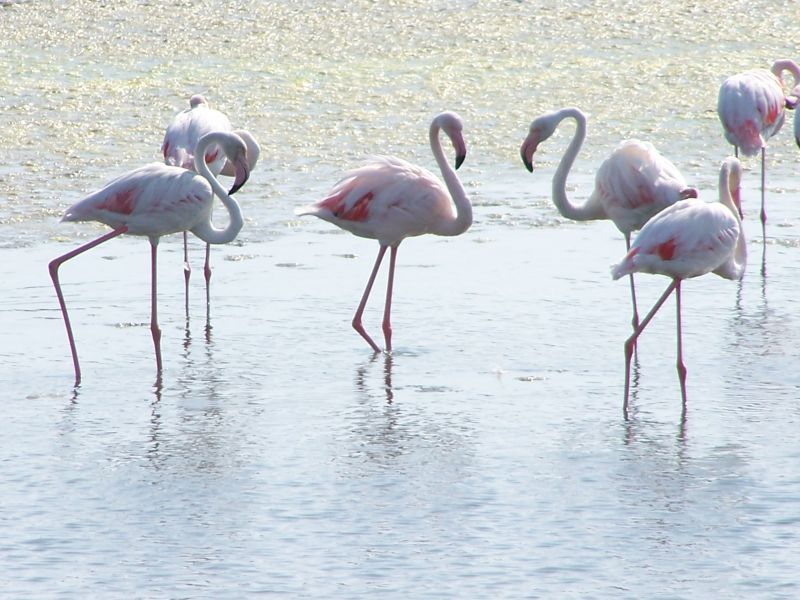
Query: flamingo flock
{"x": 390, "y": 199}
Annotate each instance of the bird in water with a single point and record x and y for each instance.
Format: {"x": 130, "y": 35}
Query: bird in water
{"x": 634, "y": 183}
{"x": 688, "y": 239}
{"x": 157, "y": 200}
{"x": 390, "y": 199}
{"x": 751, "y": 107}
{"x": 178, "y": 148}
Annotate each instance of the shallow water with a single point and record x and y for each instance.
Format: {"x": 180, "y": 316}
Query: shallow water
{"x": 489, "y": 455}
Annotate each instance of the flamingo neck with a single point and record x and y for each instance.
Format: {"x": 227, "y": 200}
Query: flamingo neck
{"x": 729, "y": 185}
{"x": 206, "y": 230}
{"x": 779, "y": 66}
{"x": 463, "y": 218}
{"x": 589, "y": 210}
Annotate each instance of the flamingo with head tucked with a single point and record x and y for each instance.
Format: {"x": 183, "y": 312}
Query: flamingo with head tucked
{"x": 390, "y": 199}
{"x": 178, "y": 148}
{"x": 751, "y": 107}
{"x": 157, "y": 200}
{"x": 634, "y": 183}
{"x": 688, "y": 239}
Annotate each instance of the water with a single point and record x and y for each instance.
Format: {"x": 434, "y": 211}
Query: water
{"x": 489, "y": 456}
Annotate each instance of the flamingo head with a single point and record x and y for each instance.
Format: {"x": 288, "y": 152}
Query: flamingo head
{"x": 197, "y": 100}
{"x": 687, "y": 193}
{"x": 541, "y": 128}
{"x": 451, "y": 124}
{"x": 236, "y": 151}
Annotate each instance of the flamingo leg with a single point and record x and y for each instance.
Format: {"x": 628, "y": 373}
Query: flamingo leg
{"x": 633, "y": 287}
{"x": 154, "y": 328}
{"x": 630, "y": 343}
{"x": 207, "y": 272}
{"x": 357, "y": 325}
{"x": 53, "y": 267}
{"x": 187, "y": 269}
{"x": 763, "y": 187}
{"x": 387, "y": 325}
{"x": 681, "y": 366}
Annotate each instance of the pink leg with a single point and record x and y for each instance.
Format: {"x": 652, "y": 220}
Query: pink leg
{"x": 54, "y": 265}
{"x": 633, "y": 287}
{"x": 154, "y": 329}
{"x": 207, "y": 272}
{"x": 360, "y": 310}
{"x": 387, "y": 325}
{"x": 763, "y": 185}
{"x": 187, "y": 269}
{"x": 681, "y": 366}
{"x": 630, "y": 343}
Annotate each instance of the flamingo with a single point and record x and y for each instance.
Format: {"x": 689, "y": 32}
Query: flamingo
{"x": 156, "y": 200}
{"x": 390, "y": 199}
{"x": 688, "y": 239}
{"x": 751, "y": 106}
{"x": 634, "y": 183}
{"x": 178, "y": 147}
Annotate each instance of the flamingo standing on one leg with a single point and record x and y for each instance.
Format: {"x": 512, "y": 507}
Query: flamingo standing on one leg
{"x": 157, "y": 200}
{"x": 632, "y": 184}
{"x": 178, "y": 148}
{"x": 688, "y": 239}
{"x": 751, "y": 106}
{"x": 391, "y": 199}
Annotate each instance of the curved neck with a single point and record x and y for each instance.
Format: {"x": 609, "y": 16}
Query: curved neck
{"x": 779, "y": 66}
{"x": 729, "y": 185}
{"x": 206, "y": 230}
{"x": 588, "y": 211}
{"x": 463, "y": 218}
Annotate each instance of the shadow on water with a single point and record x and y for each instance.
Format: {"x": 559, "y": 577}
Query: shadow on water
{"x": 361, "y": 379}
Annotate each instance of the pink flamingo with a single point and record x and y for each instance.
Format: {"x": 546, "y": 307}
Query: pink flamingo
{"x": 157, "y": 200}
{"x": 688, "y": 239}
{"x": 178, "y": 147}
{"x": 390, "y": 199}
{"x": 751, "y": 108}
{"x": 634, "y": 183}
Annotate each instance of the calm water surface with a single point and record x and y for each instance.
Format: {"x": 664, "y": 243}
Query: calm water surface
{"x": 489, "y": 456}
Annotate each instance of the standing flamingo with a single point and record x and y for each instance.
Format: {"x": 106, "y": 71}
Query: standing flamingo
{"x": 688, "y": 239}
{"x": 390, "y": 199}
{"x": 751, "y": 108}
{"x": 632, "y": 184}
{"x": 157, "y": 200}
{"x": 178, "y": 148}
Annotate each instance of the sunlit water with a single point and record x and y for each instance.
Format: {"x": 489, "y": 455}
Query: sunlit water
{"x": 489, "y": 456}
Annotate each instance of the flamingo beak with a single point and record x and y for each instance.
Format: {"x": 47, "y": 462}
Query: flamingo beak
{"x": 242, "y": 174}
{"x": 737, "y": 200}
{"x": 527, "y": 150}
{"x": 460, "y": 147}
{"x": 688, "y": 193}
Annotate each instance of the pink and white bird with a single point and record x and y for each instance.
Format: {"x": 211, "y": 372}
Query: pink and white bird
{"x": 178, "y": 148}
{"x": 751, "y": 106}
{"x": 157, "y": 200}
{"x": 634, "y": 183}
{"x": 688, "y": 239}
{"x": 390, "y": 199}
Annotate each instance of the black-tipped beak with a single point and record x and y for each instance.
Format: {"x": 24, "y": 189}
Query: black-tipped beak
{"x": 527, "y": 150}
{"x": 460, "y": 159}
{"x": 791, "y": 102}
{"x": 242, "y": 174}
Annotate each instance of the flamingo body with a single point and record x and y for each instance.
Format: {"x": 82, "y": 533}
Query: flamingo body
{"x": 636, "y": 182}
{"x": 387, "y": 200}
{"x": 751, "y": 108}
{"x": 390, "y": 199}
{"x": 153, "y": 200}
